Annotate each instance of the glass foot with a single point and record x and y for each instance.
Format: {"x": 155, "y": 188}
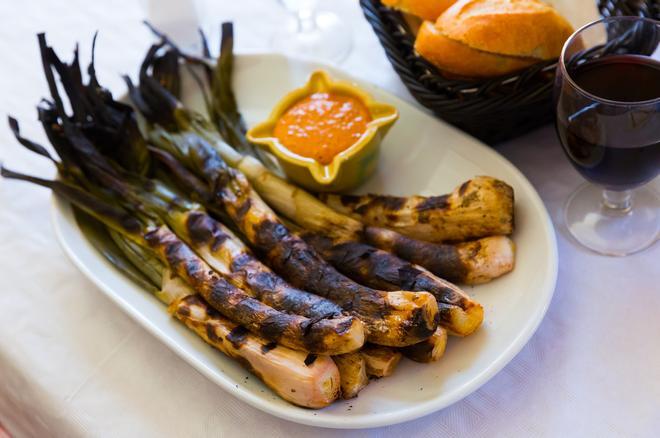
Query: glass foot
{"x": 613, "y": 223}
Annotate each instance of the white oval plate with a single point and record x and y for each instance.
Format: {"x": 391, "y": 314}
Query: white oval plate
{"x": 421, "y": 155}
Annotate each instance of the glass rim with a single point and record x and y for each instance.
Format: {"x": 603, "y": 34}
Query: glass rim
{"x": 567, "y": 76}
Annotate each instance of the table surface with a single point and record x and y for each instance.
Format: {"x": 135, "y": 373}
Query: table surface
{"x": 72, "y": 364}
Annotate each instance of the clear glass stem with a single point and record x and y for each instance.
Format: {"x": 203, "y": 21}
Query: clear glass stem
{"x": 305, "y": 20}
{"x": 311, "y": 33}
{"x": 618, "y": 202}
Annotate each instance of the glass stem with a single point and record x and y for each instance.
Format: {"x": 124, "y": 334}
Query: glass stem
{"x": 306, "y": 19}
{"x": 617, "y": 201}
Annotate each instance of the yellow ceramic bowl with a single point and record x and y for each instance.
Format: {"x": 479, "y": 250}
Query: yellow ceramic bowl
{"x": 350, "y": 167}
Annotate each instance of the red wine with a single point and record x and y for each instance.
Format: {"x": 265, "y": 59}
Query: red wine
{"x": 613, "y": 136}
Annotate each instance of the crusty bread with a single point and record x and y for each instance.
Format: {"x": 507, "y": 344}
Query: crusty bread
{"x": 426, "y": 9}
{"x": 461, "y": 60}
{"x": 526, "y": 28}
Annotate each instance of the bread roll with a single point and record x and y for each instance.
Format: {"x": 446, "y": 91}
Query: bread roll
{"x": 461, "y": 60}
{"x": 426, "y": 9}
{"x": 524, "y": 28}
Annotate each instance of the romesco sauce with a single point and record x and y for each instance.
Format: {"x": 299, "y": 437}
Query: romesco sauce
{"x": 322, "y": 125}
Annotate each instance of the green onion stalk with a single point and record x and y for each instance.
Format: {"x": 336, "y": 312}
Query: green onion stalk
{"x": 181, "y": 126}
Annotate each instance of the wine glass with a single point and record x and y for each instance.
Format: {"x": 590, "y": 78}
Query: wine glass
{"x": 607, "y": 94}
{"x": 311, "y": 34}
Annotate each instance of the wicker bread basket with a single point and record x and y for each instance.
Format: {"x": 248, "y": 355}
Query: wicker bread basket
{"x": 492, "y": 110}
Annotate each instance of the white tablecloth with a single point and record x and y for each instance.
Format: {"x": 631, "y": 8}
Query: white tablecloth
{"x": 73, "y": 364}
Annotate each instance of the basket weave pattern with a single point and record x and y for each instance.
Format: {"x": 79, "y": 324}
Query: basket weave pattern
{"x": 492, "y": 110}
